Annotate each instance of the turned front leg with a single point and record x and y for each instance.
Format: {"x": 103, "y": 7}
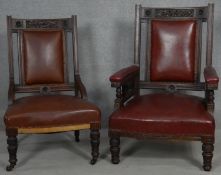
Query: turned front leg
{"x": 207, "y": 148}
{"x": 12, "y": 149}
{"x": 115, "y": 149}
{"x": 95, "y": 141}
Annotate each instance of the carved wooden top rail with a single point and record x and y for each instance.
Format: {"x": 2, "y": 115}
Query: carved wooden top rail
{"x": 196, "y": 12}
{"x": 63, "y": 23}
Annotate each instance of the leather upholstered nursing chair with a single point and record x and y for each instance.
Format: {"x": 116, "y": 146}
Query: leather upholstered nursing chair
{"x": 43, "y": 60}
{"x": 167, "y": 60}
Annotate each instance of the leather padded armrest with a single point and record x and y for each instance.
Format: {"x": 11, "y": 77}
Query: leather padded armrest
{"x": 124, "y": 73}
{"x": 211, "y": 76}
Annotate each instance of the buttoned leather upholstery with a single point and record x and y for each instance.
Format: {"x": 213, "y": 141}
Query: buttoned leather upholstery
{"x": 43, "y": 56}
{"x": 164, "y": 114}
{"x": 173, "y": 50}
{"x": 50, "y": 111}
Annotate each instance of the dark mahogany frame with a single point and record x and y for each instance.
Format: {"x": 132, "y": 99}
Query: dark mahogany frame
{"x": 129, "y": 85}
{"x": 67, "y": 25}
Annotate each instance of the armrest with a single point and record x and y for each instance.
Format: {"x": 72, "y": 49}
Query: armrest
{"x": 124, "y": 74}
{"x": 126, "y": 83}
{"x": 80, "y": 86}
{"x": 211, "y": 77}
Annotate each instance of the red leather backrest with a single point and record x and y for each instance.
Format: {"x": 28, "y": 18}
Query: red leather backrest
{"x": 42, "y": 56}
{"x": 173, "y": 47}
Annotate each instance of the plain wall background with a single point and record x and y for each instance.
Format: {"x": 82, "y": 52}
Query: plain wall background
{"x": 106, "y": 33}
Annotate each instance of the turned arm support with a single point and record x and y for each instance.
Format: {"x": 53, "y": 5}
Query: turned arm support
{"x": 211, "y": 78}
{"x": 79, "y": 87}
{"x": 126, "y": 82}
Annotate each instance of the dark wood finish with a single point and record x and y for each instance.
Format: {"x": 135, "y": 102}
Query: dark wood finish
{"x": 142, "y": 136}
{"x": 210, "y": 100}
{"x": 77, "y": 134}
{"x": 11, "y": 90}
{"x": 95, "y": 141}
{"x": 79, "y": 87}
{"x": 118, "y": 99}
{"x": 115, "y": 148}
{"x": 126, "y": 90}
{"x": 209, "y": 46}
{"x": 132, "y": 86}
{"x": 67, "y": 26}
{"x": 207, "y": 148}
{"x": 137, "y": 35}
{"x": 12, "y": 147}
{"x": 176, "y": 13}
{"x": 172, "y": 86}
{"x": 17, "y": 25}
{"x": 200, "y": 14}
{"x": 145, "y": 15}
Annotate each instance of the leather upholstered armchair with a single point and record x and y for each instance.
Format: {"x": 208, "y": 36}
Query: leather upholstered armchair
{"x": 43, "y": 74}
{"x": 167, "y": 60}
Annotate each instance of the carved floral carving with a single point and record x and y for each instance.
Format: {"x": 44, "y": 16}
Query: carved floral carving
{"x": 174, "y": 12}
{"x": 41, "y": 24}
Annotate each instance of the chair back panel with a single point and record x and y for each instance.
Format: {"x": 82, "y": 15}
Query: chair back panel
{"x": 41, "y": 48}
{"x": 168, "y": 46}
{"x": 42, "y": 54}
{"x": 173, "y": 46}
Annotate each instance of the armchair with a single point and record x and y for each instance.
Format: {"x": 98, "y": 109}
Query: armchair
{"x": 171, "y": 55}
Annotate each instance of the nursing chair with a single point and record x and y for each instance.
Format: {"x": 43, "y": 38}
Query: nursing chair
{"x": 55, "y": 101}
{"x": 168, "y": 56}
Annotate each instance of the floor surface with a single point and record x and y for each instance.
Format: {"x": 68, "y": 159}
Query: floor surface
{"x": 59, "y": 154}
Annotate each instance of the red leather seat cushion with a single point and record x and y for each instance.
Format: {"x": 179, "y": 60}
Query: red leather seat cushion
{"x": 49, "y": 111}
{"x": 161, "y": 114}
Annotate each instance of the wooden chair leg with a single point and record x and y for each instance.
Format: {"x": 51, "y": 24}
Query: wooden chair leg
{"x": 95, "y": 141}
{"x": 12, "y": 149}
{"x": 115, "y": 149}
{"x": 77, "y": 133}
{"x": 207, "y": 148}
